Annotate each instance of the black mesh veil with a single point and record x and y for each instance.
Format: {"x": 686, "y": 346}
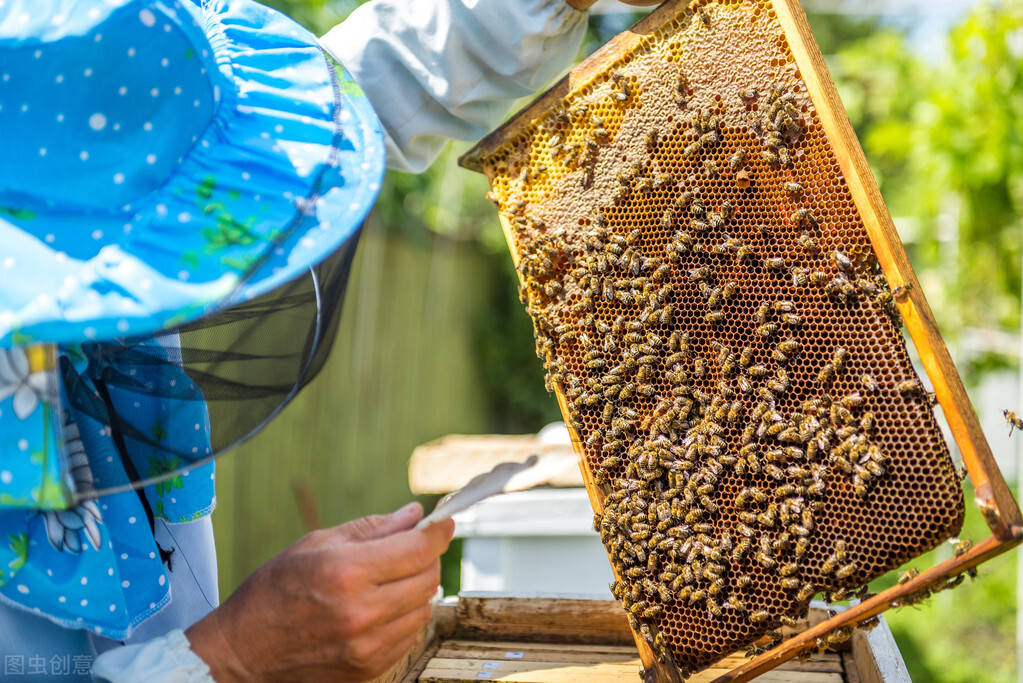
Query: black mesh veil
{"x": 240, "y": 366}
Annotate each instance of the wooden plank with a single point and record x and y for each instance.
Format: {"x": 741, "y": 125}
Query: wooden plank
{"x": 572, "y": 654}
{"x": 541, "y": 619}
{"x": 980, "y": 462}
{"x": 557, "y": 672}
{"x": 449, "y": 463}
{"x": 877, "y": 657}
{"x": 400, "y": 669}
{"x": 539, "y": 648}
{"x": 849, "y": 665}
{"x": 594, "y": 654}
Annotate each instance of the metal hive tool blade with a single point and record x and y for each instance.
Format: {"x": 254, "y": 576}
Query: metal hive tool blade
{"x": 710, "y": 136}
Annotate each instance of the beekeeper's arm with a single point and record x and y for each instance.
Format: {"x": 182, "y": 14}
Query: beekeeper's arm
{"x": 436, "y": 70}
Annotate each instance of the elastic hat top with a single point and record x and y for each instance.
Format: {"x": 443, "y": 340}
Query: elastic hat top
{"x": 163, "y": 158}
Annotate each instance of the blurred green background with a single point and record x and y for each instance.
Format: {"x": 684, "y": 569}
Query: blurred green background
{"x": 433, "y": 340}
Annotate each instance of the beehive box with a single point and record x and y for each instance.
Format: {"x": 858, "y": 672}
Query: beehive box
{"x": 552, "y": 639}
{"x": 718, "y": 295}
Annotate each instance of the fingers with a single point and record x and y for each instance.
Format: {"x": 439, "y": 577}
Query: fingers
{"x": 376, "y": 652}
{"x": 408, "y": 552}
{"x": 378, "y": 526}
{"x": 404, "y": 595}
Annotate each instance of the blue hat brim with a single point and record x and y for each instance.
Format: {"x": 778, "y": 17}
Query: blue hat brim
{"x": 282, "y": 177}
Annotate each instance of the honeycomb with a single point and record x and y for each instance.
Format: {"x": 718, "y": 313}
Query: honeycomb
{"x": 709, "y": 309}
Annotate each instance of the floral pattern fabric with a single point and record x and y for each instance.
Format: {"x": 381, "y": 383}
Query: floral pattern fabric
{"x": 95, "y": 564}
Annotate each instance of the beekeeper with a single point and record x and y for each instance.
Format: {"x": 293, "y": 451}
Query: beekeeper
{"x": 182, "y": 185}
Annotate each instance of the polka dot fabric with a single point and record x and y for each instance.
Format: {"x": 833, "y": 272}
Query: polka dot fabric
{"x": 161, "y": 161}
{"x": 168, "y": 159}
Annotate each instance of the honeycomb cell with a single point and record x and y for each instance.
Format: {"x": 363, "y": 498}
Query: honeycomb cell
{"x": 706, "y": 325}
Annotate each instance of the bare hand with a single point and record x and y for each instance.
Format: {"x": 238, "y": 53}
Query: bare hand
{"x": 341, "y": 604}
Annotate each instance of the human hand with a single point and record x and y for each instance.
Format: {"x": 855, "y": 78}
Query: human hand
{"x": 341, "y": 604}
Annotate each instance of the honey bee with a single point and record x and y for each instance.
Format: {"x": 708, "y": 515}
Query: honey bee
{"x": 770, "y": 157}
{"x": 909, "y": 575}
{"x": 841, "y": 260}
{"x": 818, "y": 277}
{"x": 775, "y": 263}
{"x": 839, "y": 357}
{"x": 789, "y": 346}
{"x": 737, "y": 158}
{"x": 1014, "y": 420}
{"x": 809, "y": 244}
{"x": 650, "y": 140}
{"x": 911, "y": 387}
{"x": 846, "y": 570}
{"x": 767, "y": 329}
{"x": 792, "y": 187}
{"x": 962, "y": 546}
{"x": 759, "y": 616}
{"x": 807, "y": 591}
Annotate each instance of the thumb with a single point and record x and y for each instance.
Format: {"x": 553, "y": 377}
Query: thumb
{"x": 378, "y": 526}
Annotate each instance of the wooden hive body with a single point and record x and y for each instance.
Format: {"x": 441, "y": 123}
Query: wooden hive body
{"x": 692, "y": 171}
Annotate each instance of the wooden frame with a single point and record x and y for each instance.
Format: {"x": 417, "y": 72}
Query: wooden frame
{"x": 496, "y": 623}
{"x": 994, "y": 498}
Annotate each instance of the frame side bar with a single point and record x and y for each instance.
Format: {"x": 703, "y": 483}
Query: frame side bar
{"x": 993, "y": 494}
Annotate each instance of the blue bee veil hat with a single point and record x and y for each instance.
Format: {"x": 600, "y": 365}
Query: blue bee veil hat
{"x": 188, "y": 165}
{"x": 164, "y": 159}
{"x": 182, "y": 185}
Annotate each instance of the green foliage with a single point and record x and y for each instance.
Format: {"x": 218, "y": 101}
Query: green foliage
{"x": 948, "y": 139}
{"x": 965, "y": 635}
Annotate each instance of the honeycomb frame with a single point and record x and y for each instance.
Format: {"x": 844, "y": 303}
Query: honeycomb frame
{"x": 795, "y": 62}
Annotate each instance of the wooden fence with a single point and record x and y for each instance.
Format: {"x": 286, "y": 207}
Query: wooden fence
{"x": 401, "y": 373}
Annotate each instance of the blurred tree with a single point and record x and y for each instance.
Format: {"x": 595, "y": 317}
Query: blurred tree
{"x": 948, "y": 139}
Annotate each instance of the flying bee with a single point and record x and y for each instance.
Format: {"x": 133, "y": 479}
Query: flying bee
{"x": 1014, "y": 420}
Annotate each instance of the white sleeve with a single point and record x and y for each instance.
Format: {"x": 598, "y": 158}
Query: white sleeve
{"x": 440, "y": 69}
{"x": 167, "y": 659}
